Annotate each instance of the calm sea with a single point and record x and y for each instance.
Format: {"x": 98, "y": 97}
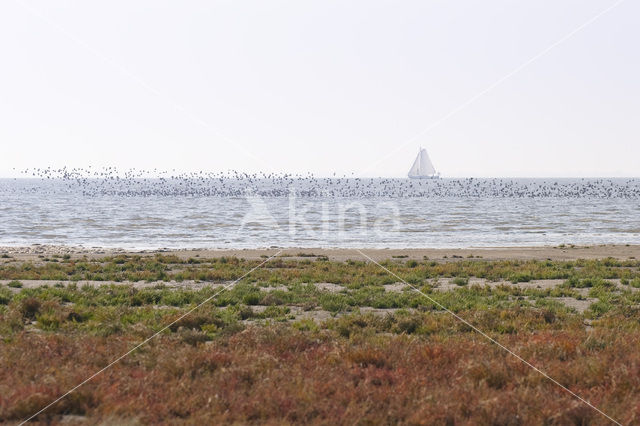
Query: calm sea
{"x": 245, "y": 212}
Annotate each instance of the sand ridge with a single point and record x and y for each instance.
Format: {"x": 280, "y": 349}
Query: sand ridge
{"x": 342, "y": 254}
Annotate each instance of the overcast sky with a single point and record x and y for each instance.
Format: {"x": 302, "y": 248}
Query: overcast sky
{"x": 322, "y": 86}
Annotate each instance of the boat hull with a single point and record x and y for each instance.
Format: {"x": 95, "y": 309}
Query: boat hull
{"x": 424, "y": 177}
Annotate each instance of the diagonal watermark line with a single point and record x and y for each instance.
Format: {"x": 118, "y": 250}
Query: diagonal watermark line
{"x": 115, "y": 361}
{"x": 491, "y": 339}
{"x": 495, "y": 84}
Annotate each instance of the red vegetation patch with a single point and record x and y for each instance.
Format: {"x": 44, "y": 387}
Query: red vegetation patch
{"x": 277, "y": 374}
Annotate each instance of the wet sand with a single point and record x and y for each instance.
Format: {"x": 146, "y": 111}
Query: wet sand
{"x": 497, "y": 253}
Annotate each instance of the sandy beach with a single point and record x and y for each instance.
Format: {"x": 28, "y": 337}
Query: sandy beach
{"x": 495, "y": 253}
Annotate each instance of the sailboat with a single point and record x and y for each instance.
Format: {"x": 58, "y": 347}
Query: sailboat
{"x": 423, "y": 167}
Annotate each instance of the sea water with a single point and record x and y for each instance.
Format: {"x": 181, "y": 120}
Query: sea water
{"x": 310, "y": 212}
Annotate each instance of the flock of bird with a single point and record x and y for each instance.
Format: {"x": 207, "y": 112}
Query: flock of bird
{"x": 111, "y": 181}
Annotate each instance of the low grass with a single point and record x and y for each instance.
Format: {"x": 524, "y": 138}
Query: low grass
{"x": 460, "y": 281}
{"x": 14, "y": 284}
{"x": 166, "y": 268}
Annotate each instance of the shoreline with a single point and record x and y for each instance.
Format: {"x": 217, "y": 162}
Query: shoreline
{"x": 341, "y": 254}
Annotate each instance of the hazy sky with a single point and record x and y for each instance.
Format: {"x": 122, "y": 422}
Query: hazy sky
{"x": 322, "y": 86}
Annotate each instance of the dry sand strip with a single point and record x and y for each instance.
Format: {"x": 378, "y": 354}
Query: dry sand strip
{"x": 486, "y": 253}
{"x": 439, "y": 284}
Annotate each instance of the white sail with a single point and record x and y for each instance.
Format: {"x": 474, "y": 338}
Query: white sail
{"x": 426, "y": 166}
{"x": 422, "y": 166}
{"x": 415, "y": 169}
